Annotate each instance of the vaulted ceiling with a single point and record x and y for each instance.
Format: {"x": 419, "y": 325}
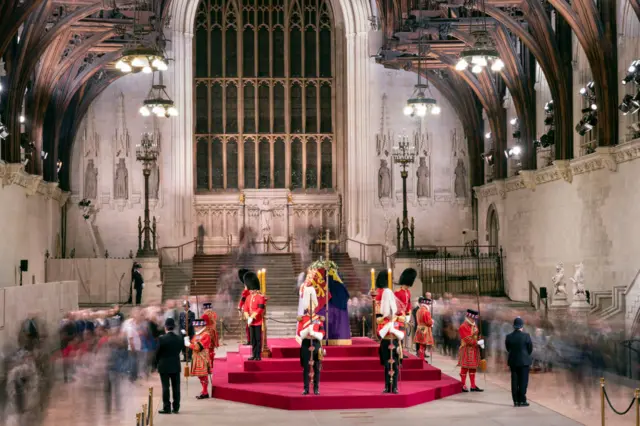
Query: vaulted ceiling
{"x": 60, "y": 54}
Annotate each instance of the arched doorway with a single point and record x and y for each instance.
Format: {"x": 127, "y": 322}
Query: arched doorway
{"x": 493, "y": 227}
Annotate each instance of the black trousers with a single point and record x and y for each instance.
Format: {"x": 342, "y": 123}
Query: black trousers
{"x": 390, "y": 358}
{"x": 138, "y": 295}
{"x": 174, "y": 380}
{"x": 519, "y": 383}
{"x": 255, "y": 334}
{"x": 305, "y": 357}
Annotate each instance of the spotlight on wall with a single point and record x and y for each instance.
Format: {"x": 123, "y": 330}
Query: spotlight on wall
{"x": 487, "y": 135}
{"x": 546, "y": 140}
{"x": 25, "y": 162}
{"x": 0, "y": 87}
{"x": 548, "y": 121}
{"x": 513, "y": 121}
{"x": 548, "y": 107}
{"x": 512, "y": 152}
{"x": 44, "y": 155}
{"x": 488, "y": 157}
{"x": 58, "y": 166}
{"x": 22, "y": 119}
{"x": 630, "y": 104}
{"x": 4, "y": 133}
{"x": 587, "y": 124}
{"x": 633, "y": 73}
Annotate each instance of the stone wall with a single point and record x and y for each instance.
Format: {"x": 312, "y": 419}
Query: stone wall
{"x": 49, "y": 302}
{"x": 29, "y": 225}
{"x": 105, "y": 171}
{"x": 578, "y": 211}
{"x": 441, "y": 210}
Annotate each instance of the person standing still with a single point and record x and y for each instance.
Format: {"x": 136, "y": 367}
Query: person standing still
{"x": 186, "y": 323}
{"x": 168, "y": 361}
{"x": 138, "y": 282}
{"x": 519, "y": 348}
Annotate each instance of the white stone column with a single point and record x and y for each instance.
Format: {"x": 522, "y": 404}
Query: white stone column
{"x": 180, "y": 144}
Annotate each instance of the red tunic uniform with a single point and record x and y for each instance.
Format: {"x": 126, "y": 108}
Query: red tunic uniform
{"x": 403, "y": 297}
{"x": 200, "y": 361}
{"x": 243, "y": 297}
{"x": 424, "y": 332}
{"x": 211, "y": 318}
{"x": 254, "y": 307}
{"x": 307, "y": 325}
{"x": 469, "y": 356}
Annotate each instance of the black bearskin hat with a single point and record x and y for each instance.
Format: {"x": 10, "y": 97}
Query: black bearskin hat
{"x": 241, "y": 274}
{"x": 382, "y": 280}
{"x": 407, "y": 277}
{"x": 251, "y": 281}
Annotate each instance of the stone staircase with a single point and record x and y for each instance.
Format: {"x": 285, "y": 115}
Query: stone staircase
{"x": 176, "y": 279}
{"x": 363, "y": 270}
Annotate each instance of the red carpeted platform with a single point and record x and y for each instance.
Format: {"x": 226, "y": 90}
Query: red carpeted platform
{"x": 352, "y": 378}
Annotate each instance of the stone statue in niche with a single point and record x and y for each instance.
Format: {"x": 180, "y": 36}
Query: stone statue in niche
{"x": 91, "y": 181}
{"x": 559, "y": 286}
{"x": 121, "y": 184}
{"x": 154, "y": 182}
{"x": 460, "y": 186}
{"x": 423, "y": 178}
{"x": 265, "y": 217}
{"x": 579, "y": 292}
{"x": 384, "y": 180}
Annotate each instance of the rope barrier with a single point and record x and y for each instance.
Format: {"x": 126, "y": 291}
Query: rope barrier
{"x": 620, "y": 413}
{"x": 284, "y": 247}
{"x": 282, "y": 322}
{"x": 605, "y": 396}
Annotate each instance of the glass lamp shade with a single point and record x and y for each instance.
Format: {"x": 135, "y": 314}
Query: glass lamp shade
{"x": 407, "y": 110}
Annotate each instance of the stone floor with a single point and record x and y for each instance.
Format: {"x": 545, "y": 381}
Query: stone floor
{"x": 552, "y": 400}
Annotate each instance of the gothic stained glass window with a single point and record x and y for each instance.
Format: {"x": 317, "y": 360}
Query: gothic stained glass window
{"x": 202, "y": 164}
{"x": 264, "y": 163}
{"x": 263, "y": 77}
{"x": 217, "y": 172}
{"x": 249, "y": 163}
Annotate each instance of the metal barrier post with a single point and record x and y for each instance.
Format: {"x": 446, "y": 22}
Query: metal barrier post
{"x": 150, "y": 415}
{"x": 636, "y": 395}
{"x": 144, "y": 411}
{"x": 602, "y": 399}
{"x": 221, "y": 331}
{"x": 138, "y": 419}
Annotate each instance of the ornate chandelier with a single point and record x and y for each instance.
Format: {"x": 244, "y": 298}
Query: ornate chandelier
{"x": 480, "y": 55}
{"x": 143, "y": 59}
{"x": 139, "y": 57}
{"x": 419, "y": 104}
{"x": 158, "y": 102}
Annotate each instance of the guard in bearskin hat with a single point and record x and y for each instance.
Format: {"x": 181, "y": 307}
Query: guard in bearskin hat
{"x": 309, "y": 334}
{"x": 469, "y": 355}
{"x": 243, "y": 297}
{"x": 390, "y": 334}
{"x": 253, "y": 310}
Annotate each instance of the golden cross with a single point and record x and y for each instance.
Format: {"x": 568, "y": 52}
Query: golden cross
{"x": 327, "y": 242}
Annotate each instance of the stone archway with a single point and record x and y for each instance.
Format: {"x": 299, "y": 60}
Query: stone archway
{"x": 352, "y": 48}
{"x": 493, "y": 229}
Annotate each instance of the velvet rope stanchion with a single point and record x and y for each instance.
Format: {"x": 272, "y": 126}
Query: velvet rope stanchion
{"x": 150, "y": 405}
{"x": 604, "y": 396}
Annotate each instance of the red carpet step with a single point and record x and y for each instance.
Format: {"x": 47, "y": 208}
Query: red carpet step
{"x": 352, "y": 378}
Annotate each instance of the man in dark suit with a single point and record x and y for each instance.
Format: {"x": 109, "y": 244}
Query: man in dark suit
{"x": 519, "y": 347}
{"x": 168, "y": 360}
{"x": 138, "y": 282}
{"x": 187, "y": 317}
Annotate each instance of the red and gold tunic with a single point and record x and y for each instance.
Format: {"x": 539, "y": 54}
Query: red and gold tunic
{"x": 424, "y": 329}
{"x": 211, "y": 318}
{"x": 308, "y": 325}
{"x": 254, "y": 307}
{"x": 403, "y": 297}
{"x": 469, "y": 356}
{"x": 243, "y": 297}
{"x": 200, "y": 361}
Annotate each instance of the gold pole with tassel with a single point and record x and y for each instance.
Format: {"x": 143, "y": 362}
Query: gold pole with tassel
{"x": 266, "y": 353}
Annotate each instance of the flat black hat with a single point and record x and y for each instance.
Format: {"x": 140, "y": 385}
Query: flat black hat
{"x": 407, "y": 277}
{"x": 241, "y": 274}
{"x": 382, "y": 280}
{"x": 251, "y": 281}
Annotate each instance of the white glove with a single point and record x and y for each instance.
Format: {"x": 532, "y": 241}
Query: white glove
{"x": 315, "y": 335}
{"x": 481, "y": 343}
{"x": 407, "y": 318}
{"x": 187, "y": 341}
{"x": 250, "y": 320}
{"x": 184, "y": 333}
